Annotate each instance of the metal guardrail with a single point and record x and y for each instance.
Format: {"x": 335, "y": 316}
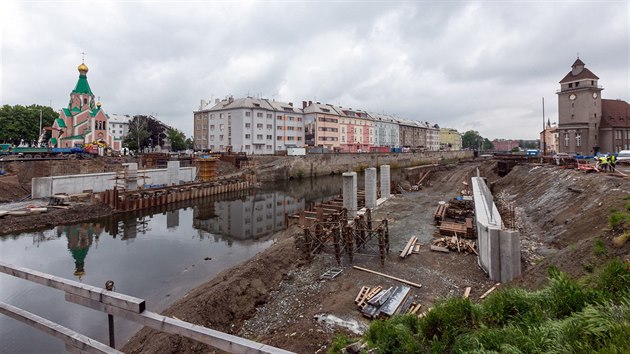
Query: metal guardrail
{"x": 125, "y": 306}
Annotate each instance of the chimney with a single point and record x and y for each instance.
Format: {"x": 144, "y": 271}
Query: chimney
{"x": 202, "y": 104}
{"x": 216, "y": 101}
{"x": 230, "y": 99}
{"x": 304, "y": 104}
{"x": 291, "y": 104}
{"x": 310, "y": 103}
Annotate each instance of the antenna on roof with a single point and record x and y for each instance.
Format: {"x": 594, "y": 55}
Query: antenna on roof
{"x": 578, "y": 55}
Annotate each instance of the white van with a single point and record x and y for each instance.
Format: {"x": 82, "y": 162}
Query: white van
{"x": 623, "y": 156}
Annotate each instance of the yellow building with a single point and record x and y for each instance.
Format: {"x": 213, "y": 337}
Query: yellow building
{"x": 450, "y": 139}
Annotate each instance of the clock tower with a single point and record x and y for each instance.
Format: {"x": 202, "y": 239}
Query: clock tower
{"x": 579, "y": 111}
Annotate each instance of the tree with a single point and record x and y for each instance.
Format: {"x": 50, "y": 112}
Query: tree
{"x": 22, "y": 122}
{"x": 190, "y": 144}
{"x": 471, "y": 140}
{"x": 516, "y": 149}
{"x": 139, "y": 135}
{"x": 177, "y": 139}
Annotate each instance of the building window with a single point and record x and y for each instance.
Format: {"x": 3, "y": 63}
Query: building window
{"x": 211, "y": 137}
{"x": 269, "y": 137}
{"x": 572, "y": 116}
{"x": 212, "y": 127}
{"x": 247, "y": 114}
{"x": 268, "y": 147}
{"x": 259, "y": 125}
{"x": 212, "y": 116}
{"x": 220, "y": 115}
{"x": 247, "y": 136}
{"x": 570, "y": 85}
{"x": 269, "y": 126}
{"x": 221, "y": 137}
{"x": 577, "y": 84}
{"x": 578, "y": 139}
{"x": 566, "y": 139}
{"x": 247, "y": 125}
{"x": 221, "y": 126}
{"x": 278, "y": 137}
{"x": 269, "y": 115}
{"x": 259, "y": 136}
{"x": 259, "y": 114}
{"x": 279, "y": 117}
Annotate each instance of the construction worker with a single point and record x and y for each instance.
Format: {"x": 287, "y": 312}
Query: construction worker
{"x": 603, "y": 163}
{"x": 612, "y": 161}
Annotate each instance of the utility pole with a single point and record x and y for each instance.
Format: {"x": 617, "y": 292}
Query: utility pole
{"x": 544, "y": 144}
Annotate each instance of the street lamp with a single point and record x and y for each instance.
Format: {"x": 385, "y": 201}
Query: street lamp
{"x": 39, "y": 133}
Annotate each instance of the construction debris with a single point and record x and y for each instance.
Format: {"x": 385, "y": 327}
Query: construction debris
{"x": 489, "y": 291}
{"x": 379, "y": 302}
{"x": 467, "y": 292}
{"x": 453, "y": 243}
{"x": 388, "y": 276}
{"x": 409, "y": 247}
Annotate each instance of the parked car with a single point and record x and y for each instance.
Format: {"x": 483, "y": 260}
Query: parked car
{"x": 623, "y": 156}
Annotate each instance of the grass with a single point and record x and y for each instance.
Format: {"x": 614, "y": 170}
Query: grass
{"x": 588, "y": 315}
{"x": 600, "y": 248}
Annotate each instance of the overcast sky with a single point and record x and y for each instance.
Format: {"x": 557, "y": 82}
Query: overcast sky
{"x": 482, "y": 65}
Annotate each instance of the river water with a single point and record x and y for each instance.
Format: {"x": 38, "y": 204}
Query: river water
{"x": 157, "y": 255}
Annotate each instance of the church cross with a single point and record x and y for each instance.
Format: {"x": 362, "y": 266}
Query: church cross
{"x": 83, "y": 57}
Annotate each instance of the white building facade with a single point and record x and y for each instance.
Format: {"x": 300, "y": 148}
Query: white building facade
{"x": 386, "y": 131}
{"x": 249, "y": 125}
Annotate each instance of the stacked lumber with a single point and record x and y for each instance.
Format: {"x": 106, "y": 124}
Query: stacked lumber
{"x": 440, "y": 213}
{"x": 453, "y": 243}
{"x": 383, "y": 303}
{"x": 448, "y": 228}
{"x": 409, "y": 248}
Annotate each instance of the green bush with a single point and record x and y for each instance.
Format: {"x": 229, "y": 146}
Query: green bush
{"x": 616, "y": 218}
{"x": 591, "y": 315}
{"x": 394, "y": 335}
{"x": 450, "y": 318}
{"x": 339, "y": 342}
{"x": 511, "y": 306}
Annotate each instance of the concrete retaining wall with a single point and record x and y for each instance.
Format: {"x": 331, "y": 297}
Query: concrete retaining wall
{"x": 313, "y": 165}
{"x": 43, "y": 187}
{"x": 499, "y": 248}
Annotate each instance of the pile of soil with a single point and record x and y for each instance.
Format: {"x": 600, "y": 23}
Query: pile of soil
{"x": 11, "y": 189}
{"x": 77, "y": 213}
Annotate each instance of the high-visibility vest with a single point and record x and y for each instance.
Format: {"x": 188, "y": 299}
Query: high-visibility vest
{"x": 603, "y": 160}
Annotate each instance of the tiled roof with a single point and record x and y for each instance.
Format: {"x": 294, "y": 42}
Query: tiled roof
{"x": 615, "y": 113}
{"x": 578, "y": 62}
{"x": 584, "y": 74}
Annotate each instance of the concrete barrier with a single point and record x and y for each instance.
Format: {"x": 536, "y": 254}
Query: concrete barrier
{"x": 43, "y": 187}
{"x": 499, "y": 248}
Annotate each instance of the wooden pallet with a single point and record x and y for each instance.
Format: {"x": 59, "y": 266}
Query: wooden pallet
{"x": 448, "y": 228}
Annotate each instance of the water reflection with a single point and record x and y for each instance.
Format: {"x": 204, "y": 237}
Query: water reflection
{"x": 80, "y": 238}
{"x": 248, "y": 217}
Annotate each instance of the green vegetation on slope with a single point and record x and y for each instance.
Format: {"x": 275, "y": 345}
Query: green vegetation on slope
{"x": 590, "y": 315}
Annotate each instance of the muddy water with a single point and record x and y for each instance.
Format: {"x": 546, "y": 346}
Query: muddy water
{"x": 157, "y": 255}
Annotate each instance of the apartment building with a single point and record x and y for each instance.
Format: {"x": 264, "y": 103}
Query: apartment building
{"x": 321, "y": 125}
{"x": 450, "y": 139}
{"x": 119, "y": 125}
{"x": 386, "y": 131}
{"x": 356, "y": 130}
{"x": 249, "y": 125}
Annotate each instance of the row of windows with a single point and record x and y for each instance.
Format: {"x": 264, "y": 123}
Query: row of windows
{"x": 578, "y": 139}
{"x": 619, "y": 134}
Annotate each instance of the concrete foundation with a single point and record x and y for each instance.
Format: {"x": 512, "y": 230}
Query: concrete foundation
{"x": 370, "y": 188}
{"x": 43, "y": 187}
{"x": 499, "y": 248}
{"x": 173, "y": 172}
{"x": 350, "y": 193}
{"x": 132, "y": 174}
{"x": 385, "y": 181}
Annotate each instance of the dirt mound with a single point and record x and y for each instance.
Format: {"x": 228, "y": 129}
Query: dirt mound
{"x": 562, "y": 214}
{"x": 11, "y": 189}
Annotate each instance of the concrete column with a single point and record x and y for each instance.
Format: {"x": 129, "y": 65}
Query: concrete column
{"x": 173, "y": 172}
{"x": 385, "y": 182}
{"x": 350, "y": 193}
{"x": 132, "y": 174}
{"x": 510, "y": 249}
{"x": 370, "y": 188}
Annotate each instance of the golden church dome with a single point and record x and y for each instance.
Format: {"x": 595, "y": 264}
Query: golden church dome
{"x": 82, "y": 67}
{"x": 98, "y": 104}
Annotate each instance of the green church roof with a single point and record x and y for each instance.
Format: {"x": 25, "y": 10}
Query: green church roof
{"x": 82, "y": 85}
{"x": 67, "y": 112}
{"x": 61, "y": 123}
{"x": 53, "y": 141}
